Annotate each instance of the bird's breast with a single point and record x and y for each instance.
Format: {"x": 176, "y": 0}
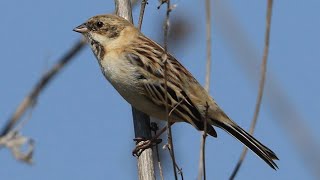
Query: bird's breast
{"x": 121, "y": 74}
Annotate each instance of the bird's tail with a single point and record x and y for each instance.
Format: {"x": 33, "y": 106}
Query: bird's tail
{"x": 250, "y": 142}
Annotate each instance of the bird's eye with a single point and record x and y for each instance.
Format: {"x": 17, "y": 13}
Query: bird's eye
{"x": 99, "y": 24}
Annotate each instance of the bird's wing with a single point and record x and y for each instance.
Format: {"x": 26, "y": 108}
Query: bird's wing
{"x": 150, "y": 57}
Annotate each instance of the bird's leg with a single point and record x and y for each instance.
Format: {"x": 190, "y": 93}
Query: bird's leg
{"x": 143, "y": 143}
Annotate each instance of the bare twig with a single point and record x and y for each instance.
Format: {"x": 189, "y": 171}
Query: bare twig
{"x": 202, "y": 165}
{"x": 202, "y": 159}
{"x": 14, "y": 141}
{"x": 143, "y": 6}
{"x": 30, "y": 99}
{"x": 261, "y": 85}
{"x": 175, "y": 165}
{"x": 175, "y": 107}
{"x": 169, "y": 145}
{"x": 10, "y": 136}
{"x": 155, "y": 128}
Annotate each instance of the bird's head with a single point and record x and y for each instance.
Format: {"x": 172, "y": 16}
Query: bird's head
{"x": 105, "y": 30}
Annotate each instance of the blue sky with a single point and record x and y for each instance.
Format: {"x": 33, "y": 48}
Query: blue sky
{"x": 83, "y": 128}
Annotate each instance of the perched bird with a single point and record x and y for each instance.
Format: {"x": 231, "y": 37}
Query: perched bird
{"x": 134, "y": 65}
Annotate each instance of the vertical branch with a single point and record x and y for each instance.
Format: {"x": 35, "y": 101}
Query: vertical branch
{"x": 141, "y": 121}
{"x": 208, "y": 45}
{"x": 153, "y": 125}
{"x": 124, "y": 9}
{"x": 202, "y": 164}
{"x": 141, "y": 124}
{"x": 261, "y": 85}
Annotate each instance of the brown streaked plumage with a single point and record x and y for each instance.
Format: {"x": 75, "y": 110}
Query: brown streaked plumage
{"x": 133, "y": 64}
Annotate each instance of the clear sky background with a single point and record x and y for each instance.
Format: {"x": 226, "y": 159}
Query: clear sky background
{"x": 83, "y": 128}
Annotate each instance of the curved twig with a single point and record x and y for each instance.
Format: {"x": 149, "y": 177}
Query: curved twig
{"x": 143, "y": 6}
{"x": 30, "y": 99}
{"x": 261, "y": 86}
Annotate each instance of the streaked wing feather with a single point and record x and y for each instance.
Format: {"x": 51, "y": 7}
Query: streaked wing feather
{"x": 147, "y": 56}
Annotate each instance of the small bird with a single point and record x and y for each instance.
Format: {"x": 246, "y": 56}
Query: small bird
{"x": 134, "y": 65}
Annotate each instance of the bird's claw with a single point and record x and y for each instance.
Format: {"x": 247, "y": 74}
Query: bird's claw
{"x": 143, "y": 144}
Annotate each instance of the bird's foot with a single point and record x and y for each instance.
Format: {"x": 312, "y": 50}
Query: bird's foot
{"x": 143, "y": 144}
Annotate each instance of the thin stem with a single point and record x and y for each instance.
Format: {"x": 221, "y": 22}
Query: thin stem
{"x": 143, "y": 6}
{"x": 202, "y": 159}
{"x": 261, "y": 85}
{"x": 202, "y": 164}
{"x": 175, "y": 107}
{"x": 165, "y": 61}
{"x": 155, "y": 128}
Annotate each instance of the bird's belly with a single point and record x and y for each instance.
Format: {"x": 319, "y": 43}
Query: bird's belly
{"x": 134, "y": 97}
{"x": 144, "y": 104}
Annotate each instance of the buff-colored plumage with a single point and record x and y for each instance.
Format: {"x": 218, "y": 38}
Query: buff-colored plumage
{"x": 133, "y": 64}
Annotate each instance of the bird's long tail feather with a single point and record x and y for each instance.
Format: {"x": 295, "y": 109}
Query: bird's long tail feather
{"x": 254, "y": 145}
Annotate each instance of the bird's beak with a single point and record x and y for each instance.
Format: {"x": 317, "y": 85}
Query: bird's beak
{"x": 81, "y": 29}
